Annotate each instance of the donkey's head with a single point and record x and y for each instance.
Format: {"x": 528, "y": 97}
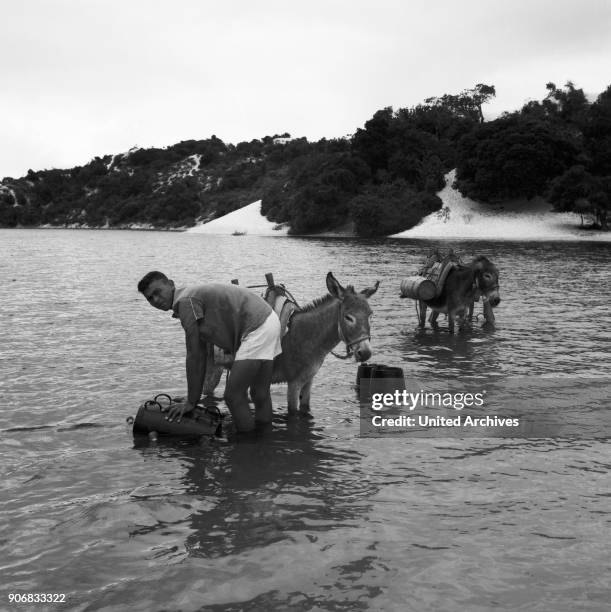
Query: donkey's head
{"x": 487, "y": 279}
{"x": 353, "y": 317}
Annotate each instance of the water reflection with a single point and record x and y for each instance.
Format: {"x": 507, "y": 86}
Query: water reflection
{"x": 279, "y": 485}
{"x": 434, "y": 353}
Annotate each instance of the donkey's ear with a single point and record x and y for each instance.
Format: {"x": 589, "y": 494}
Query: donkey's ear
{"x": 370, "y": 290}
{"x": 335, "y": 289}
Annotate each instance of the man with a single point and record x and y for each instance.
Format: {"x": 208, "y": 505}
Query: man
{"x": 234, "y": 319}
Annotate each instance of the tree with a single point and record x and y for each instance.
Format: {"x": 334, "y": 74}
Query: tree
{"x": 395, "y": 148}
{"x": 390, "y": 208}
{"x": 371, "y": 143}
{"x": 467, "y": 104}
{"x": 576, "y": 190}
{"x": 600, "y": 199}
{"x": 513, "y": 156}
{"x": 322, "y": 187}
{"x": 570, "y": 104}
{"x": 598, "y": 134}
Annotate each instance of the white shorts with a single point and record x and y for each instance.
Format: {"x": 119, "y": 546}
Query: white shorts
{"x": 263, "y": 342}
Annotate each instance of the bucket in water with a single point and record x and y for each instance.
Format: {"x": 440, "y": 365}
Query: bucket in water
{"x": 364, "y": 373}
{"x": 377, "y": 378}
{"x": 418, "y": 288}
{"x": 386, "y": 379}
{"x": 201, "y": 421}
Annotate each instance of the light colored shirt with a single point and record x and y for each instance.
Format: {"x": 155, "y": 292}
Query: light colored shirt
{"x": 224, "y": 314}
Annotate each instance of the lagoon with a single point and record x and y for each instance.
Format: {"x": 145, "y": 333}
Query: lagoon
{"x": 314, "y": 514}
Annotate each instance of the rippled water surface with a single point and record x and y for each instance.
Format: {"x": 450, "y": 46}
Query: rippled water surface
{"x": 312, "y": 515}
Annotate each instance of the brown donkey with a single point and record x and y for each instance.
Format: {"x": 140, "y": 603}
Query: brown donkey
{"x": 461, "y": 288}
{"x": 314, "y": 330}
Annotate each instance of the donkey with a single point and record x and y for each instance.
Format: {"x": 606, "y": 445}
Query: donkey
{"x": 341, "y": 316}
{"x": 460, "y": 290}
{"x": 313, "y": 331}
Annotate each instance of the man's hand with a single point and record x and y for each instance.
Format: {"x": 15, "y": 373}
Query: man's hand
{"x": 176, "y": 411}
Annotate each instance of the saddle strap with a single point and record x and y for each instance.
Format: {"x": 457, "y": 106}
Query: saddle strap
{"x": 284, "y": 310}
{"x": 283, "y": 304}
{"x": 447, "y": 266}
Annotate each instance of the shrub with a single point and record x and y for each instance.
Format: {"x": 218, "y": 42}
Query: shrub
{"x": 391, "y": 208}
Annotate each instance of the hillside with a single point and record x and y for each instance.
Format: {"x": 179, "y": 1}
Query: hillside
{"x": 460, "y": 218}
{"x": 307, "y": 187}
{"x": 464, "y": 218}
{"x": 381, "y": 181}
{"x": 166, "y": 188}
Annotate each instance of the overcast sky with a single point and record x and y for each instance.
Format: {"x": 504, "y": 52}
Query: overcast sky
{"x": 82, "y": 78}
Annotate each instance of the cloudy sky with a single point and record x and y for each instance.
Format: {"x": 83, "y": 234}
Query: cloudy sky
{"x": 82, "y": 78}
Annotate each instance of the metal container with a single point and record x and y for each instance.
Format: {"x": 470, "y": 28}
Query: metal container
{"x": 364, "y": 373}
{"x": 202, "y": 421}
{"x": 378, "y": 378}
{"x": 418, "y": 288}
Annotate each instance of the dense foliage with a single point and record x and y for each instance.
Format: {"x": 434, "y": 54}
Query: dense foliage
{"x": 380, "y": 181}
{"x": 512, "y": 157}
{"x": 390, "y": 208}
{"x": 559, "y": 148}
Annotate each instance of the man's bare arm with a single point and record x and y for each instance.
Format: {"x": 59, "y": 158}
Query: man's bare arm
{"x": 196, "y": 371}
{"x": 196, "y": 365}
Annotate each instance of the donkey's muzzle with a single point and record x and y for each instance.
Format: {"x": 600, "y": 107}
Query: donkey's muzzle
{"x": 493, "y": 297}
{"x": 363, "y": 351}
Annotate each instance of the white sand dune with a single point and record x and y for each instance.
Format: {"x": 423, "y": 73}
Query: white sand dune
{"x": 461, "y": 218}
{"x": 246, "y": 220}
{"x": 516, "y": 220}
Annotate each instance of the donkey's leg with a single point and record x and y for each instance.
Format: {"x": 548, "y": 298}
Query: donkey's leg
{"x": 433, "y": 319}
{"x": 461, "y": 318}
{"x": 422, "y": 309}
{"x": 292, "y": 396}
{"x": 304, "y": 398}
{"x": 465, "y": 318}
{"x": 451, "y": 317}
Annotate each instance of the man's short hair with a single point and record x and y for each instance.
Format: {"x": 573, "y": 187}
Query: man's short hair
{"x": 149, "y": 278}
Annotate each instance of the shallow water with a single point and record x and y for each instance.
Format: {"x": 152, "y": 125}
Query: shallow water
{"x": 312, "y": 515}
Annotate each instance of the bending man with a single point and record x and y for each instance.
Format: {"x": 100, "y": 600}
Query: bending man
{"x": 234, "y": 319}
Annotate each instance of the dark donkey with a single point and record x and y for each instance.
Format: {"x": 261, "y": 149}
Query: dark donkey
{"x": 460, "y": 290}
{"x": 313, "y": 331}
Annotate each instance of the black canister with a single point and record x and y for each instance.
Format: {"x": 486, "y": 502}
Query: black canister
{"x": 378, "y": 378}
{"x": 365, "y": 371}
{"x": 201, "y": 421}
{"x": 386, "y": 379}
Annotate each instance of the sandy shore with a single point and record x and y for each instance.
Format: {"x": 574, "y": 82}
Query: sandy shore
{"x": 460, "y": 218}
{"x": 246, "y": 220}
{"x": 463, "y": 218}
